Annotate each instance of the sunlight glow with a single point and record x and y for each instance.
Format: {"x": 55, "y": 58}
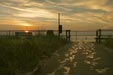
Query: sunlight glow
{"x": 23, "y": 23}
{"x": 26, "y": 31}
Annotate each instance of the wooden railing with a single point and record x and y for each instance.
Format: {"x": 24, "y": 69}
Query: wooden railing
{"x": 102, "y": 34}
{"x": 98, "y": 35}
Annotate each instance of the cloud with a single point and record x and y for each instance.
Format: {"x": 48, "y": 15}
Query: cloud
{"x": 73, "y": 12}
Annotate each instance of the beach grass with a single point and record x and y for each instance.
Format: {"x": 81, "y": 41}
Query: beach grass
{"x": 21, "y": 55}
{"x": 108, "y": 42}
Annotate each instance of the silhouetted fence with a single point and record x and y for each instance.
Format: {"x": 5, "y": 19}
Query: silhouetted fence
{"x": 103, "y": 34}
{"x": 83, "y": 36}
{"x": 23, "y": 33}
{"x": 69, "y": 35}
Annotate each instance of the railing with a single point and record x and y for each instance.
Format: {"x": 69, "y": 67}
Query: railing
{"x": 98, "y": 35}
{"x": 103, "y": 34}
{"x": 23, "y": 33}
{"x": 83, "y": 36}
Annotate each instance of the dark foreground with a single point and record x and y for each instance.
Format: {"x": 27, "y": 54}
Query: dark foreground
{"x": 81, "y": 58}
{"x": 24, "y": 55}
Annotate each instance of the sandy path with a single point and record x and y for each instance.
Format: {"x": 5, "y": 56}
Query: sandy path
{"x": 81, "y": 58}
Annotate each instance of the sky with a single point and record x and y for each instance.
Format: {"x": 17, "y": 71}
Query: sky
{"x": 43, "y": 14}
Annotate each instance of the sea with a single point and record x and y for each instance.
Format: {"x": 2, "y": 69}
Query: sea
{"x": 75, "y": 35}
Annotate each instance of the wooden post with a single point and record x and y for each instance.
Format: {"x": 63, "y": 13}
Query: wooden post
{"x": 68, "y": 35}
{"x": 99, "y": 36}
{"x": 60, "y": 30}
{"x": 59, "y": 24}
{"x": 9, "y": 33}
{"x": 76, "y": 35}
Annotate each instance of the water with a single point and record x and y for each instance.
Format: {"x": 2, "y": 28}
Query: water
{"x": 75, "y": 35}
{"x": 85, "y": 36}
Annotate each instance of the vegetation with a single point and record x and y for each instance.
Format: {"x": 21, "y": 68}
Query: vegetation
{"x": 19, "y": 56}
{"x": 108, "y": 42}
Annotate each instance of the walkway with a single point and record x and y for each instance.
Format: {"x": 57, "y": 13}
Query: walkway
{"x": 81, "y": 58}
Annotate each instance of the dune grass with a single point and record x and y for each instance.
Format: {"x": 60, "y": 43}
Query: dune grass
{"x": 19, "y": 56}
{"x": 108, "y": 42}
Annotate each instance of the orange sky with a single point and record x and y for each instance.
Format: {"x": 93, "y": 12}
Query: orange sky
{"x": 42, "y": 14}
